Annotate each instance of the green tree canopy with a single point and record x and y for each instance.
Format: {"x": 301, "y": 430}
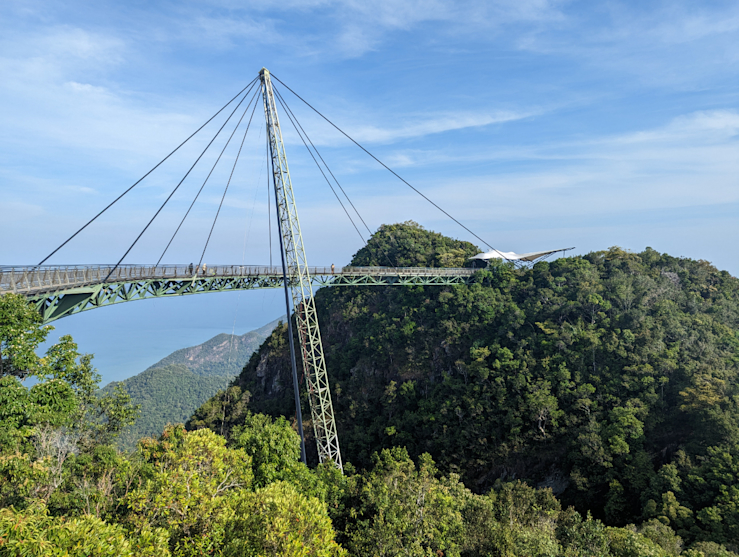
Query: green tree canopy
{"x": 410, "y": 245}
{"x": 20, "y": 334}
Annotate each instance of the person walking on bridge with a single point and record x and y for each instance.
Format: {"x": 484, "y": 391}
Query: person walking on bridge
{"x": 205, "y": 267}
{"x": 332, "y": 268}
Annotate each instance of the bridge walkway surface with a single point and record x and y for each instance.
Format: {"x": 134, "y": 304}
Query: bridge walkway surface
{"x": 62, "y": 290}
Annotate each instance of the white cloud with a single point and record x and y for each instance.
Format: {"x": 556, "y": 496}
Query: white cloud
{"x": 349, "y": 28}
{"x": 58, "y": 49}
{"x": 695, "y": 22}
{"x": 61, "y": 97}
{"x": 86, "y": 88}
{"x": 223, "y": 32}
{"x": 666, "y": 45}
{"x": 711, "y": 125}
{"x": 365, "y": 24}
{"x": 58, "y": 97}
{"x": 690, "y": 161}
{"x": 687, "y": 163}
{"x": 80, "y": 189}
{"x": 436, "y": 124}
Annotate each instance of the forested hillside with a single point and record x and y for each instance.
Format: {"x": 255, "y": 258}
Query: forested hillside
{"x": 166, "y": 395}
{"x": 611, "y": 378}
{"x": 172, "y": 389}
{"x": 222, "y": 355}
{"x": 582, "y": 408}
{"x": 66, "y": 490}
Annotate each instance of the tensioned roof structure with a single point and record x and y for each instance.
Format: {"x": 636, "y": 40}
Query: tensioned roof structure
{"x": 511, "y": 256}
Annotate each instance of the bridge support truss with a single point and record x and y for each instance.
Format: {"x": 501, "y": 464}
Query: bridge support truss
{"x": 61, "y": 291}
{"x": 304, "y": 305}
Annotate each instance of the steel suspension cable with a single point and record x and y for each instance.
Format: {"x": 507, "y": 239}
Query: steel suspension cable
{"x": 176, "y": 188}
{"x": 207, "y": 177}
{"x": 250, "y": 84}
{"x": 229, "y": 181}
{"x": 269, "y": 202}
{"x": 287, "y": 108}
{"x": 292, "y": 116}
{"x": 386, "y": 166}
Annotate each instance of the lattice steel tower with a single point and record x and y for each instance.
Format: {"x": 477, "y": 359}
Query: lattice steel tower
{"x": 304, "y": 306}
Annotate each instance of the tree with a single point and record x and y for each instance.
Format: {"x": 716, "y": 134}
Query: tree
{"x": 708, "y": 549}
{"x": 34, "y": 532}
{"x": 21, "y": 333}
{"x": 402, "y": 509}
{"x": 628, "y": 542}
{"x": 96, "y": 419}
{"x": 512, "y": 519}
{"x": 272, "y": 445}
{"x": 586, "y": 373}
{"x": 277, "y": 521}
{"x": 64, "y": 395}
{"x": 189, "y": 493}
{"x": 410, "y": 245}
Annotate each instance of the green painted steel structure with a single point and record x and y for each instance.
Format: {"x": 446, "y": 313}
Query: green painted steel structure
{"x": 60, "y": 291}
{"x": 295, "y": 267}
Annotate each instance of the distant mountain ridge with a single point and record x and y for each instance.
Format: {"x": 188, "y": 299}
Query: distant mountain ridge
{"x": 222, "y": 355}
{"x": 170, "y": 390}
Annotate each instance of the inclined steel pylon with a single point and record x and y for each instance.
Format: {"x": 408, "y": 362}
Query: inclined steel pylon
{"x": 304, "y": 306}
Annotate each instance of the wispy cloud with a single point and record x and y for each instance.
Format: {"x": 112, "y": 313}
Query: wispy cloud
{"x": 667, "y": 171}
{"x": 65, "y": 97}
{"x": 662, "y": 45}
{"x": 352, "y": 28}
{"x": 699, "y": 127}
{"x": 690, "y": 161}
{"x": 436, "y": 124}
{"x": 51, "y": 105}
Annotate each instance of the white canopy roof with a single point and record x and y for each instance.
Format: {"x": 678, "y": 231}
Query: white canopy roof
{"x": 510, "y": 256}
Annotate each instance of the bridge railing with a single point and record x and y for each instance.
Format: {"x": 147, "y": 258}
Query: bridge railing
{"x": 47, "y": 278}
{"x": 409, "y": 271}
{"x": 23, "y": 279}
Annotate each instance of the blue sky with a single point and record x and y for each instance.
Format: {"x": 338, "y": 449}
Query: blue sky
{"x": 540, "y": 124}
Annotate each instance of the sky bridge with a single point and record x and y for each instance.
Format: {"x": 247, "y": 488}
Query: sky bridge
{"x": 62, "y": 290}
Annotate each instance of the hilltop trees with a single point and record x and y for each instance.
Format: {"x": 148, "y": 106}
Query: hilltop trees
{"x": 20, "y": 334}
{"x": 57, "y": 420}
{"x": 612, "y": 378}
{"x": 410, "y": 245}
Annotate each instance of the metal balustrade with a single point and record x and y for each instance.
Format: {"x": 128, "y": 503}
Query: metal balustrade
{"x": 32, "y": 281}
{"x": 61, "y": 290}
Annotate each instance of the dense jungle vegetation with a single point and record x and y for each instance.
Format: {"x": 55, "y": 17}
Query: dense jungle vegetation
{"x": 169, "y": 391}
{"x": 608, "y": 381}
{"x": 585, "y": 407}
{"x": 165, "y": 395}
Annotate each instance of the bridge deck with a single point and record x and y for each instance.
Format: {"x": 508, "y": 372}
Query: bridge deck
{"x": 59, "y": 291}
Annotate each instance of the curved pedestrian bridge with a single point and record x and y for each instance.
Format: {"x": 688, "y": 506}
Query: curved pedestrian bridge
{"x": 62, "y": 290}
